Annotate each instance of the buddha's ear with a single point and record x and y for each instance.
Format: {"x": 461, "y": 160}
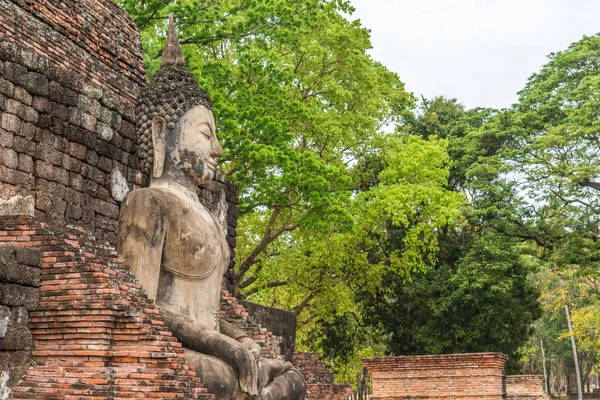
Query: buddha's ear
{"x": 159, "y": 127}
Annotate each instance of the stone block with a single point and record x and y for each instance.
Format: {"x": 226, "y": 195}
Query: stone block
{"x": 105, "y": 131}
{"x": 10, "y": 158}
{"x": 37, "y": 84}
{"x": 17, "y": 205}
{"x": 15, "y": 73}
{"x": 17, "y": 336}
{"x": 26, "y": 256}
{"x": 76, "y": 181}
{"x": 75, "y": 116}
{"x": 44, "y": 170}
{"x": 74, "y": 211}
{"x": 20, "y": 275}
{"x": 89, "y": 122}
{"x": 22, "y": 95}
{"x": 91, "y": 90}
{"x": 41, "y": 104}
{"x": 10, "y": 123}
{"x": 111, "y": 100}
{"x": 2, "y": 103}
{"x": 105, "y": 164}
{"x": 15, "y": 363}
{"x": 18, "y": 296}
{"x": 62, "y": 95}
{"x": 7, "y": 88}
{"x": 44, "y": 122}
{"x": 25, "y": 163}
{"x": 23, "y": 145}
{"x": 27, "y": 130}
{"x": 71, "y": 164}
{"x": 6, "y": 138}
{"x": 77, "y": 150}
{"x": 59, "y": 111}
{"x": 28, "y": 58}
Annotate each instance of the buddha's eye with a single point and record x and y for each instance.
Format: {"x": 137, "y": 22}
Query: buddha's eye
{"x": 206, "y": 133}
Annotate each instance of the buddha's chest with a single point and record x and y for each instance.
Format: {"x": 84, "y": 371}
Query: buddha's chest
{"x": 194, "y": 244}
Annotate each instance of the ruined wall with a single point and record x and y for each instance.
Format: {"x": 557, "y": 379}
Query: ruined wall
{"x": 70, "y": 72}
{"x": 282, "y": 323}
{"x": 19, "y": 296}
{"x": 525, "y": 387}
{"x": 319, "y": 380}
{"x": 95, "y": 332}
{"x": 453, "y": 376}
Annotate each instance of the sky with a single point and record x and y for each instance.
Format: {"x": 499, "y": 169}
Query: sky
{"x": 478, "y": 51}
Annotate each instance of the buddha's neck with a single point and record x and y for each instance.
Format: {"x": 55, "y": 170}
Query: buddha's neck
{"x": 184, "y": 186}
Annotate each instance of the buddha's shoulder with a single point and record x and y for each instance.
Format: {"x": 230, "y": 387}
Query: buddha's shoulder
{"x": 151, "y": 198}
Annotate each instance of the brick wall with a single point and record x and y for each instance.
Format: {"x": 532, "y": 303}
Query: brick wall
{"x": 282, "y": 323}
{"x": 525, "y": 387}
{"x": 231, "y": 310}
{"x": 319, "y": 380}
{"x": 70, "y": 72}
{"x": 95, "y": 333}
{"x": 453, "y": 376}
{"x": 19, "y": 296}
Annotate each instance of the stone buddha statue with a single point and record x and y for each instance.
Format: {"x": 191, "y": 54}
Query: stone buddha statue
{"x": 177, "y": 249}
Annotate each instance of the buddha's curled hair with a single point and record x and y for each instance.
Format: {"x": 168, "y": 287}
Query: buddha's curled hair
{"x": 171, "y": 92}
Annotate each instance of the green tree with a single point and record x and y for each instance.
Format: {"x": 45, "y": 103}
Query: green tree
{"x": 297, "y": 101}
{"x": 475, "y": 294}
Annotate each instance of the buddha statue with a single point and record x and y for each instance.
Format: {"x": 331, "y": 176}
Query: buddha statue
{"x": 176, "y": 248}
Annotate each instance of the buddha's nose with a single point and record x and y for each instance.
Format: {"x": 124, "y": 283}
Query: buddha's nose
{"x": 216, "y": 149}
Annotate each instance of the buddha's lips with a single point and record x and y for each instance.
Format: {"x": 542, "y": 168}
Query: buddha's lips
{"x": 211, "y": 164}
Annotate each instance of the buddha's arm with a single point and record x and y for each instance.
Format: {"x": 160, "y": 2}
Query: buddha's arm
{"x": 140, "y": 239}
{"x": 197, "y": 337}
{"x": 235, "y": 333}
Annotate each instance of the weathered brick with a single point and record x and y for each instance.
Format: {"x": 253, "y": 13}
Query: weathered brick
{"x": 25, "y": 163}
{"x": 15, "y": 73}
{"x": 60, "y": 94}
{"x": 89, "y": 122}
{"x": 41, "y": 104}
{"x": 37, "y": 84}
{"x": 6, "y": 138}
{"x": 10, "y": 122}
{"x": 7, "y": 88}
{"x": 22, "y": 95}
{"x": 10, "y": 158}
{"x": 18, "y": 296}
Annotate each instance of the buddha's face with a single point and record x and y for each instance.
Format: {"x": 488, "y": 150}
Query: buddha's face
{"x": 196, "y": 147}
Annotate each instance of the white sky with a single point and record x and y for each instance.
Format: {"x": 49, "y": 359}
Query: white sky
{"x": 478, "y": 51}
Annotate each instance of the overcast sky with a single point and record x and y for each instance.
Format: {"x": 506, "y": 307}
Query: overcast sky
{"x": 479, "y": 51}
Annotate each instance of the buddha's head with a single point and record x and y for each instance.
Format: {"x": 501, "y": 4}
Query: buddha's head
{"x": 176, "y": 127}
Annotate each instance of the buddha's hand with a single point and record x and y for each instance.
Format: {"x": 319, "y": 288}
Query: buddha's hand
{"x": 247, "y": 369}
{"x": 251, "y": 346}
{"x": 237, "y": 356}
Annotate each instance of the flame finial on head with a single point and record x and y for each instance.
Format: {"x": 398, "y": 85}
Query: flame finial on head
{"x": 172, "y": 54}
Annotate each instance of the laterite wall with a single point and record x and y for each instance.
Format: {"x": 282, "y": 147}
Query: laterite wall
{"x": 70, "y": 73}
